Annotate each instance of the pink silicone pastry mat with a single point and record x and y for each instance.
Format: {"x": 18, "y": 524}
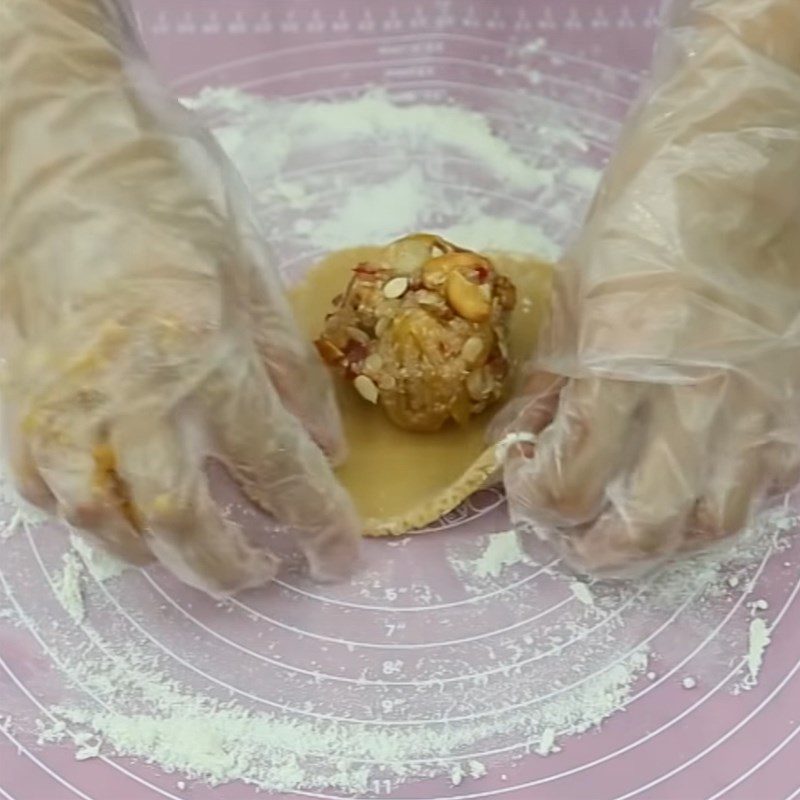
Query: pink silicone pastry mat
{"x": 454, "y": 665}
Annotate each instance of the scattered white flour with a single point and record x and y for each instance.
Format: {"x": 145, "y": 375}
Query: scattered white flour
{"x": 402, "y": 204}
{"x": 758, "y": 641}
{"x": 477, "y": 769}
{"x": 758, "y": 605}
{"x": 68, "y": 585}
{"x": 400, "y": 200}
{"x": 498, "y": 551}
{"x": 101, "y": 565}
{"x": 583, "y": 178}
{"x": 385, "y": 168}
{"x": 472, "y": 769}
{"x": 546, "y": 743}
{"x": 87, "y": 746}
{"x": 532, "y": 47}
{"x": 371, "y": 118}
{"x": 12, "y": 525}
{"x": 582, "y": 592}
{"x": 219, "y": 741}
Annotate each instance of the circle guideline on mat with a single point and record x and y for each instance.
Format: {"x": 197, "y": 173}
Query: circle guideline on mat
{"x": 455, "y": 665}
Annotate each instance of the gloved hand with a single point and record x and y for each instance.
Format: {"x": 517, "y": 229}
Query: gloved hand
{"x": 142, "y": 326}
{"x": 667, "y": 385}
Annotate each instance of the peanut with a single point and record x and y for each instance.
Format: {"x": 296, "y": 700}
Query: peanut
{"x": 466, "y": 298}
{"x": 437, "y": 269}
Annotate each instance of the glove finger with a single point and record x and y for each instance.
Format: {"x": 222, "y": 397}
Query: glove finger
{"x": 782, "y": 459}
{"x": 733, "y": 493}
{"x": 741, "y": 472}
{"x": 651, "y": 503}
{"x": 89, "y": 496}
{"x": 296, "y": 371}
{"x": 282, "y": 470}
{"x": 564, "y": 483}
{"x": 164, "y": 476}
{"x": 532, "y": 410}
{"x": 23, "y": 472}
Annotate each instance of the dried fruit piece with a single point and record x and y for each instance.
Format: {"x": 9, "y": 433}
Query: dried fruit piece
{"x": 328, "y": 351}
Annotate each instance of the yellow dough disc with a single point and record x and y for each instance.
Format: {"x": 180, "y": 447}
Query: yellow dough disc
{"x": 400, "y": 480}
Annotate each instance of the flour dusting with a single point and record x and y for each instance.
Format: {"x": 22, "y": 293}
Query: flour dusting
{"x": 369, "y": 119}
{"x": 401, "y": 168}
{"x": 582, "y": 592}
{"x": 68, "y": 584}
{"x": 758, "y": 641}
{"x": 17, "y": 515}
{"x": 221, "y": 741}
{"x": 101, "y": 565}
{"x": 502, "y": 550}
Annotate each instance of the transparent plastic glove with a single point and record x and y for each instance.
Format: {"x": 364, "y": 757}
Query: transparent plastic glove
{"x": 142, "y": 326}
{"x": 667, "y": 385}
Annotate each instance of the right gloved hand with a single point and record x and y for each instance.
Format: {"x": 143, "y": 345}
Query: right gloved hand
{"x": 667, "y": 386}
{"x": 142, "y": 326}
